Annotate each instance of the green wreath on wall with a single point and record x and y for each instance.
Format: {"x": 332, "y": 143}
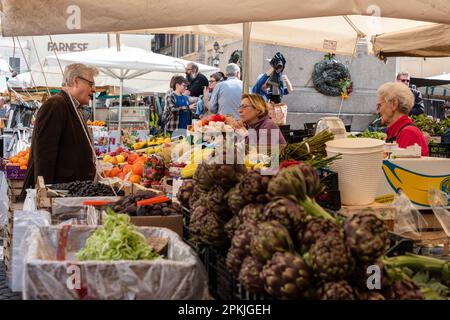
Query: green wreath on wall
{"x": 332, "y": 78}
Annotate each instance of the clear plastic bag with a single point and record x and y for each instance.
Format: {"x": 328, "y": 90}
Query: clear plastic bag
{"x": 4, "y": 200}
{"x": 439, "y": 201}
{"x": 179, "y": 275}
{"x": 408, "y": 218}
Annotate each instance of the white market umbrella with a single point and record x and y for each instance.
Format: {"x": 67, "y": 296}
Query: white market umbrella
{"x": 129, "y": 63}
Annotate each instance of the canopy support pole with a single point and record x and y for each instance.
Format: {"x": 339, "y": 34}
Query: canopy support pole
{"x": 247, "y": 28}
{"x": 120, "y": 106}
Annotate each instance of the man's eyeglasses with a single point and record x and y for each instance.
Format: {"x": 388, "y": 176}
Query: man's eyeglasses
{"x": 405, "y": 80}
{"x": 91, "y": 83}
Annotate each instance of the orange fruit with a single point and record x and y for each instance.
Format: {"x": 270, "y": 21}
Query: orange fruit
{"x": 14, "y": 159}
{"x": 21, "y": 154}
{"x": 114, "y": 172}
{"x": 23, "y": 162}
{"x": 134, "y": 178}
{"x": 23, "y": 168}
{"x": 132, "y": 158}
{"x": 107, "y": 173}
{"x": 138, "y": 168}
{"x": 121, "y": 176}
{"x": 127, "y": 168}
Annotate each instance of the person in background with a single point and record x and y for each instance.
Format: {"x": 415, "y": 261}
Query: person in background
{"x": 273, "y": 85}
{"x": 61, "y": 147}
{"x": 226, "y": 97}
{"x": 419, "y": 107}
{"x": 196, "y": 80}
{"x": 254, "y": 114}
{"x": 203, "y": 104}
{"x": 395, "y": 102}
{"x": 177, "y": 112}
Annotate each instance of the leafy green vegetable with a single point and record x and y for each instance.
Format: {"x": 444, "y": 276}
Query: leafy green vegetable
{"x": 432, "y": 127}
{"x": 370, "y": 134}
{"x": 117, "y": 239}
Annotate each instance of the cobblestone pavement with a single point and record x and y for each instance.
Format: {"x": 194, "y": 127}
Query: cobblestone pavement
{"x": 5, "y": 292}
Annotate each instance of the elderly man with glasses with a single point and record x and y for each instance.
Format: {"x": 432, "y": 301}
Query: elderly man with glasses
{"x": 419, "y": 107}
{"x": 62, "y": 147}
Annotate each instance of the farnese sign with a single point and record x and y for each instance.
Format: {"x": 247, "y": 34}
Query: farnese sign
{"x": 67, "y": 47}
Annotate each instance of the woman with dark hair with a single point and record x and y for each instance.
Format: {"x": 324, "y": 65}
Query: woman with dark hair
{"x": 177, "y": 113}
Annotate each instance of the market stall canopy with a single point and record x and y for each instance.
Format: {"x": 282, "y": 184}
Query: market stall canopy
{"x": 429, "y": 82}
{"x": 33, "y": 17}
{"x": 337, "y": 33}
{"x": 127, "y": 63}
{"x": 423, "y": 41}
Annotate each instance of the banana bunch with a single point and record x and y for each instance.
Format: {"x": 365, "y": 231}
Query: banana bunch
{"x": 153, "y": 150}
{"x": 139, "y": 145}
{"x": 157, "y": 141}
{"x": 188, "y": 171}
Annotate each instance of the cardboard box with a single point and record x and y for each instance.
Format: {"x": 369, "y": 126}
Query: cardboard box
{"x": 174, "y": 223}
{"x": 415, "y": 177}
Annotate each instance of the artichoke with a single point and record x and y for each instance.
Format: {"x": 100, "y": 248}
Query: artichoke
{"x": 403, "y": 290}
{"x": 313, "y": 229}
{"x": 253, "y": 187}
{"x": 286, "y": 276}
{"x": 197, "y": 197}
{"x": 270, "y": 237}
{"x": 285, "y": 211}
{"x": 235, "y": 200}
{"x": 206, "y": 228}
{"x": 224, "y": 175}
{"x": 215, "y": 201}
{"x": 204, "y": 176}
{"x": 185, "y": 192}
{"x": 329, "y": 259}
{"x": 240, "y": 247}
{"x": 249, "y": 275}
{"x": 252, "y": 212}
{"x": 367, "y": 236}
{"x": 336, "y": 291}
{"x": 369, "y": 295}
{"x": 231, "y": 226}
{"x": 301, "y": 184}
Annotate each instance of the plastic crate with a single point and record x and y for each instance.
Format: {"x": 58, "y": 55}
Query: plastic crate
{"x": 439, "y": 150}
{"x": 15, "y": 173}
{"x": 331, "y": 198}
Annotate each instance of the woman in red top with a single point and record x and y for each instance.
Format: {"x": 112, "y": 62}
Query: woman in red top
{"x": 395, "y": 101}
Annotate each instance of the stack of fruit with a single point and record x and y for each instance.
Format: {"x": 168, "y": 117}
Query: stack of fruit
{"x": 154, "y": 170}
{"x": 20, "y": 160}
{"x": 85, "y": 189}
{"x": 284, "y": 244}
{"x": 96, "y": 123}
{"x": 123, "y": 163}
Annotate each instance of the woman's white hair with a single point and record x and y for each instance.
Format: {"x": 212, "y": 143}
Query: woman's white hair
{"x": 400, "y": 92}
{"x": 75, "y": 70}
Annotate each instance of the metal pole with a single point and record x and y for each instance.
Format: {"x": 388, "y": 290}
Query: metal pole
{"x": 120, "y": 104}
{"x": 247, "y": 27}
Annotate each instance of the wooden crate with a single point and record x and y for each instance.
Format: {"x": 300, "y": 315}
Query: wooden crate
{"x": 15, "y": 189}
